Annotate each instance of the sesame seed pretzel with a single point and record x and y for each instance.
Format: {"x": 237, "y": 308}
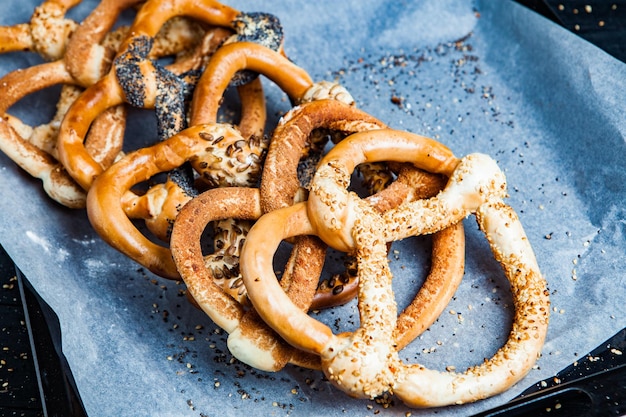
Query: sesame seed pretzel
{"x": 279, "y": 186}
{"x": 365, "y": 363}
{"x": 46, "y": 33}
{"x": 249, "y": 337}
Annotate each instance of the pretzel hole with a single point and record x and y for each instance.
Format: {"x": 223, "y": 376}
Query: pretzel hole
{"x": 485, "y": 303}
{"x": 45, "y": 101}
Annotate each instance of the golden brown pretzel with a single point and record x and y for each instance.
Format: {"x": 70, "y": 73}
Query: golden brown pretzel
{"x": 86, "y": 58}
{"x": 223, "y": 160}
{"x": 234, "y": 57}
{"x": 242, "y": 203}
{"x": 134, "y": 79}
{"x": 279, "y": 186}
{"x": 281, "y": 183}
{"x": 46, "y": 33}
{"x": 365, "y": 363}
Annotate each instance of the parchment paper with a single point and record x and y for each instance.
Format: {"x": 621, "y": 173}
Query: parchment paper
{"x": 481, "y": 76}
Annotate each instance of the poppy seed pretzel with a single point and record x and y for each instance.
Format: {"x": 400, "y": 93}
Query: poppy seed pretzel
{"x": 232, "y": 159}
{"x": 365, "y": 363}
{"x": 223, "y": 160}
{"x": 134, "y": 79}
{"x": 46, "y": 33}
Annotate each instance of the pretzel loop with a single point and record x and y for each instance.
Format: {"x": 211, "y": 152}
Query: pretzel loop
{"x": 331, "y": 206}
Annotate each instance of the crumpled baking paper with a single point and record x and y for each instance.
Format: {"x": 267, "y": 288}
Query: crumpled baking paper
{"x": 480, "y": 76}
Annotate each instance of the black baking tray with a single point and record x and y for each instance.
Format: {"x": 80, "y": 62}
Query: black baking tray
{"x": 35, "y": 378}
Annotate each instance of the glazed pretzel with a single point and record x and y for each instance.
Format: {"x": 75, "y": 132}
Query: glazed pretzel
{"x": 46, "y": 33}
{"x": 136, "y": 80}
{"x": 365, "y": 363}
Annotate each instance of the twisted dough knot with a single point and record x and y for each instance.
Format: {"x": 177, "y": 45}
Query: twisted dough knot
{"x": 46, "y": 33}
{"x": 50, "y": 30}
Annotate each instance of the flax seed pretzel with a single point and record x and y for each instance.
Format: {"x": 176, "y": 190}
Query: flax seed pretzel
{"x": 137, "y": 80}
{"x": 365, "y": 363}
{"x": 46, "y": 33}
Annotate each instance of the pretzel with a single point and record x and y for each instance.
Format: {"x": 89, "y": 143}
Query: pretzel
{"x": 288, "y": 141}
{"x": 365, "y": 363}
{"x": 231, "y": 160}
{"x": 46, "y": 33}
{"x": 34, "y": 150}
{"x": 281, "y": 183}
{"x": 228, "y": 312}
{"x": 213, "y": 165}
{"x": 104, "y": 201}
{"x": 279, "y": 186}
{"x": 135, "y": 79}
